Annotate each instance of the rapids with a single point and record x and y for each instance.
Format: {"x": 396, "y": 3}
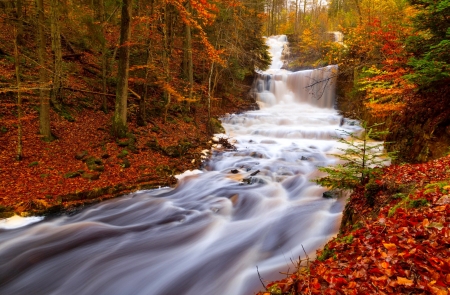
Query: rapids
{"x": 250, "y": 207}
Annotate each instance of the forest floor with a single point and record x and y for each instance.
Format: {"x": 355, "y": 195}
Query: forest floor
{"x": 85, "y": 164}
{"x": 398, "y": 245}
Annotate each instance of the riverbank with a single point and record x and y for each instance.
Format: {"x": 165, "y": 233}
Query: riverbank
{"x": 86, "y": 165}
{"x": 401, "y": 245}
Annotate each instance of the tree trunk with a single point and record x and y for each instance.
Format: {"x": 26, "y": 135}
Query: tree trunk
{"x": 189, "y": 56}
{"x": 296, "y": 18}
{"x": 19, "y": 154}
{"x": 55, "y": 94}
{"x": 210, "y": 129}
{"x": 142, "y": 111}
{"x": 119, "y": 127}
{"x": 358, "y": 9}
{"x": 101, "y": 17}
{"x": 19, "y": 9}
{"x": 44, "y": 113}
{"x": 166, "y": 60}
{"x": 273, "y": 27}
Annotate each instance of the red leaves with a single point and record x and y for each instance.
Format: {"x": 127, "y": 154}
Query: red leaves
{"x": 407, "y": 253}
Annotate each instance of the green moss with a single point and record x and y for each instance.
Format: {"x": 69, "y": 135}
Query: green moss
{"x": 346, "y": 239}
{"x": 32, "y": 164}
{"x": 216, "y": 126}
{"x": 123, "y": 153}
{"x": 325, "y": 254}
{"x": 73, "y": 174}
{"x": 95, "y": 164}
{"x": 417, "y": 203}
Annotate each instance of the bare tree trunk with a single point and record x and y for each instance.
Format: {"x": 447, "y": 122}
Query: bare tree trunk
{"x": 296, "y": 18}
{"x": 358, "y": 9}
{"x": 101, "y": 17}
{"x": 273, "y": 27}
{"x": 166, "y": 60}
{"x": 142, "y": 112}
{"x": 189, "y": 56}
{"x": 210, "y": 129}
{"x": 119, "y": 126}
{"x": 55, "y": 94}
{"x": 304, "y": 13}
{"x": 44, "y": 113}
{"x": 19, "y": 154}
{"x": 19, "y": 9}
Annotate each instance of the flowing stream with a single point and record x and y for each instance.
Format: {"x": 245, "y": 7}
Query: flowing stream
{"x": 253, "y": 206}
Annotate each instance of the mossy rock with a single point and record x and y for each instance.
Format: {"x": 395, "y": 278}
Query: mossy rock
{"x": 32, "y": 164}
{"x": 95, "y": 164}
{"x": 90, "y": 176}
{"x": 125, "y": 163}
{"x": 216, "y": 126}
{"x": 81, "y": 155}
{"x": 73, "y": 174}
{"x": 178, "y": 150}
{"x": 122, "y": 154}
{"x": 129, "y": 143}
{"x": 153, "y": 144}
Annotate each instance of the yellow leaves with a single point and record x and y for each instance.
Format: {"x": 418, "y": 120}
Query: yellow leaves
{"x": 404, "y": 281}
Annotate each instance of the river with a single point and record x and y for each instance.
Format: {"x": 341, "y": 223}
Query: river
{"x": 254, "y": 206}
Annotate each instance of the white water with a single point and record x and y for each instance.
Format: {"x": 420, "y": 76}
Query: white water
{"x": 208, "y": 234}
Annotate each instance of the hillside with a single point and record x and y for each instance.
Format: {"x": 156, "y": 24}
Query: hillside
{"x": 401, "y": 245}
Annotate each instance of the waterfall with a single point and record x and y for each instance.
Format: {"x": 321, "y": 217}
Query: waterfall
{"x": 253, "y": 206}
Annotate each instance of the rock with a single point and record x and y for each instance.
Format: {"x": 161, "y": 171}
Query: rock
{"x": 234, "y": 171}
{"x": 216, "y": 126}
{"x": 333, "y": 194}
{"x": 90, "y": 176}
{"x": 153, "y": 145}
{"x": 80, "y": 156}
{"x": 32, "y": 164}
{"x": 125, "y": 163}
{"x": 95, "y": 164}
{"x": 122, "y": 154}
{"x": 256, "y": 155}
{"x": 73, "y": 174}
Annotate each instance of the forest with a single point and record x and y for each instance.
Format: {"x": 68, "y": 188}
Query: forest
{"x": 99, "y": 98}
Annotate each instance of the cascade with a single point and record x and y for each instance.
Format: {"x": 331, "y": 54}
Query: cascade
{"x": 254, "y": 206}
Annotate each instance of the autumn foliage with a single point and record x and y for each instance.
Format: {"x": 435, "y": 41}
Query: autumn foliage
{"x": 401, "y": 245}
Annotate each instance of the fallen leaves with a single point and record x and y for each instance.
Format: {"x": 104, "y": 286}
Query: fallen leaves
{"x": 403, "y": 253}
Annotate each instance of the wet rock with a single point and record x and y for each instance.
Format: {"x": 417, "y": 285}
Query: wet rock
{"x": 234, "y": 171}
{"x": 333, "y": 194}
{"x": 215, "y": 126}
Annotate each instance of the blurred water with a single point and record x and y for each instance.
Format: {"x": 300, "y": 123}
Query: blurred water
{"x": 207, "y": 235}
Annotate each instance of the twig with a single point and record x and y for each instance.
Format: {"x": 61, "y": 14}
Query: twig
{"x": 260, "y": 279}
{"x": 134, "y": 93}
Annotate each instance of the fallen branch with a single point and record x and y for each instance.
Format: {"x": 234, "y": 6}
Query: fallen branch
{"x": 88, "y": 91}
